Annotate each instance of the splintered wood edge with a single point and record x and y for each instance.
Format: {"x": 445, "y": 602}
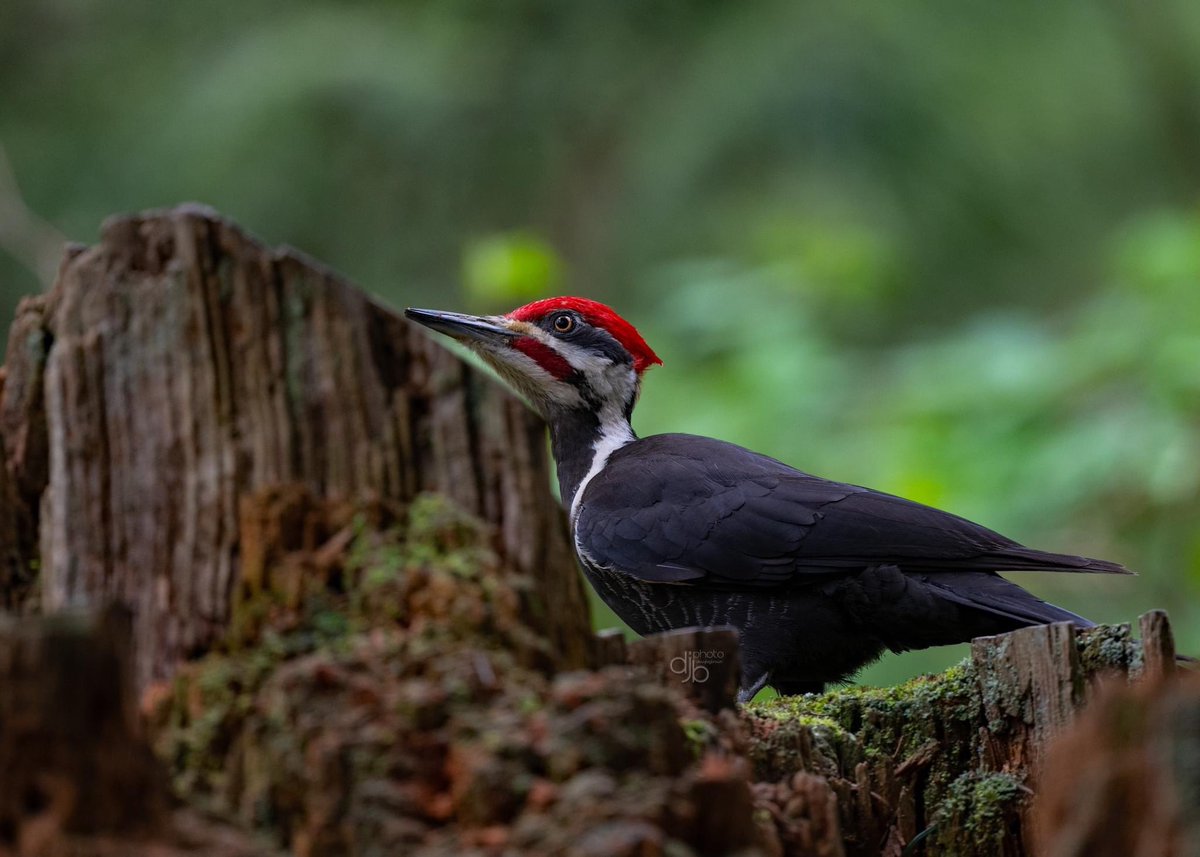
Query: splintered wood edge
{"x": 1158, "y": 645}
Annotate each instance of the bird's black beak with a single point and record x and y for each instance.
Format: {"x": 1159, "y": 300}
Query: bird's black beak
{"x": 462, "y": 327}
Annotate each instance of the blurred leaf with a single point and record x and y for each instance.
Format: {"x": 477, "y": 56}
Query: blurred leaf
{"x": 1161, "y": 252}
{"x": 511, "y": 269}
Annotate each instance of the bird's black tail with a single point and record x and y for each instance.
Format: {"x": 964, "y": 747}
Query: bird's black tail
{"x": 993, "y": 595}
{"x": 1019, "y": 558}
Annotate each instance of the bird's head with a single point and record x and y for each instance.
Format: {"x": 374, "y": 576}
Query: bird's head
{"x": 560, "y": 353}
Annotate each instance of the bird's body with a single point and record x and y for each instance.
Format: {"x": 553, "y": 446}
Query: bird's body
{"x": 818, "y": 577}
{"x": 676, "y": 531}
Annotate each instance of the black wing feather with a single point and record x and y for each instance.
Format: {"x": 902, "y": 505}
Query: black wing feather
{"x": 679, "y": 508}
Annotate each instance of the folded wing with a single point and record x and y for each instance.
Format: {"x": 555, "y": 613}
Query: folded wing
{"x": 685, "y": 509}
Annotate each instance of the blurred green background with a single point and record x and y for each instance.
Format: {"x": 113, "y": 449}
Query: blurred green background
{"x": 950, "y": 251}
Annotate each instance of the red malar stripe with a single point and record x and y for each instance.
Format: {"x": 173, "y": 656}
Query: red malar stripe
{"x": 544, "y": 356}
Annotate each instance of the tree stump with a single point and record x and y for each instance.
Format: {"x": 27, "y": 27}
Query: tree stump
{"x": 179, "y": 367}
{"x": 1031, "y": 687}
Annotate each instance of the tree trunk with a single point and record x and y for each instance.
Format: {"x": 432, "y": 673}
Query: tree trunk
{"x": 180, "y": 367}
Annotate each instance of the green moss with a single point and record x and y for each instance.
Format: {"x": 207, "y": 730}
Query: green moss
{"x": 298, "y": 612}
{"x": 979, "y": 812}
{"x": 700, "y": 735}
{"x": 330, "y": 624}
{"x": 884, "y": 719}
{"x": 212, "y": 700}
{"x": 803, "y": 718}
{"x": 439, "y": 532}
{"x": 930, "y": 719}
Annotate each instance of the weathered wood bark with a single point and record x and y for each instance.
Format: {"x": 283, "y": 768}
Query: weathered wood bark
{"x": 181, "y": 366}
{"x": 16, "y": 542}
{"x": 1033, "y": 687}
{"x": 1158, "y": 645}
{"x": 22, "y": 438}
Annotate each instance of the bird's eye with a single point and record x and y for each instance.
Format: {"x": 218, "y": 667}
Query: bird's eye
{"x": 563, "y": 323}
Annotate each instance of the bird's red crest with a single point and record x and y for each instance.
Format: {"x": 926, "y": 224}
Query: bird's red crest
{"x": 597, "y": 315}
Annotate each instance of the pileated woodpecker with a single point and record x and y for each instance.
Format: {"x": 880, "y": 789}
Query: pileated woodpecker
{"x": 675, "y": 530}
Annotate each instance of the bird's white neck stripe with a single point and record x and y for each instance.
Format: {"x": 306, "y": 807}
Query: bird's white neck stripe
{"x": 614, "y": 434}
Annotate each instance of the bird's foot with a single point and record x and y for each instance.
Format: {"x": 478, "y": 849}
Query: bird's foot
{"x": 748, "y": 691}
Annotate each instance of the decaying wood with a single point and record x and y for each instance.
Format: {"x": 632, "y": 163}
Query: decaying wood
{"x": 1031, "y": 687}
{"x": 1125, "y": 782}
{"x": 62, "y": 682}
{"x": 804, "y": 815}
{"x": 26, "y": 458}
{"x": 954, "y": 764}
{"x": 23, "y": 404}
{"x": 180, "y": 366}
{"x": 16, "y": 542}
{"x": 76, "y": 776}
{"x": 724, "y": 806}
{"x": 611, "y": 648}
{"x": 1158, "y": 645}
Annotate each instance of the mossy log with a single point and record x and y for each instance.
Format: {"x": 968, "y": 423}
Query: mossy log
{"x": 955, "y": 760}
{"x": 357, "y": 628}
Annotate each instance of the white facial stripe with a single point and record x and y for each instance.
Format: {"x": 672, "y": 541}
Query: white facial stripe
{"x": 578, "y": 357}
{"x": 611, "y": 382}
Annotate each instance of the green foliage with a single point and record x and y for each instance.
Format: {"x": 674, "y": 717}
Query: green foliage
{"x": 508, "y": 270}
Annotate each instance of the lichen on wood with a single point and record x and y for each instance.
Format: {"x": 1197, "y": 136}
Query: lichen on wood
{"x": 954, "y": 756}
